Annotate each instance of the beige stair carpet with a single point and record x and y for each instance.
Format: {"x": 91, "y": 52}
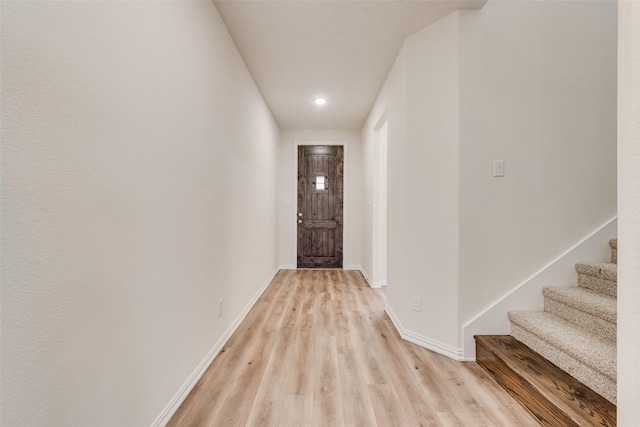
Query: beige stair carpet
{"x": 588, "y": 309}
{"x": 577, "y": 329}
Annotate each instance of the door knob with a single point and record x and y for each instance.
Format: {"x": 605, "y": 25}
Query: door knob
{"x": 299, "y": 221}
{"x": 299, "y": 213}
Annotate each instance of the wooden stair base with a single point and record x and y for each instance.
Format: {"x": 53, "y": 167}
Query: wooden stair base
{"x": 554, "y": 397}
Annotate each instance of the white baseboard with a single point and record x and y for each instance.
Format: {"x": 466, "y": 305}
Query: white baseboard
{"x": 186, "y": 388}
{"x": 287, "y": 267}
{"x": 422, "y": 341}
{"x": 528, "y": 294}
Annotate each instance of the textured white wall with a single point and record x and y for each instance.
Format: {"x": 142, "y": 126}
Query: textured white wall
{"x": 537, "y": 90}
{"x": 138, "y": 182}
{"x": 286, "y": 191}
{"x": 629, "y": 214}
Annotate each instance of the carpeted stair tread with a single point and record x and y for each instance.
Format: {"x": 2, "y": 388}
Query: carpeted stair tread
{"x": 601, "y": 270}
{"x": 586, "y": 300}
{"x": 570, "y": 339}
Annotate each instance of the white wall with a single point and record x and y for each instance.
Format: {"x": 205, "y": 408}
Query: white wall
{"x": 287, "y": 196}
{"x": 531, "y": 83}
{"x": 422, "y": 180}
{"x": 537, "y": 90}
{"x": 430, "y": 183}
{"x": 135, "y": 152}
{"x": 389, "y": 106}
{"x": 629, "y": 214}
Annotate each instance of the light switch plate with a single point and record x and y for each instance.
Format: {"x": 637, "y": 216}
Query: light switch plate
{"x": 416, "y": 303}
{"x": 498, "y": 168}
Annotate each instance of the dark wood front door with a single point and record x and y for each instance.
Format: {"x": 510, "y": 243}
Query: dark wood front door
{"x": 320, "y": 202}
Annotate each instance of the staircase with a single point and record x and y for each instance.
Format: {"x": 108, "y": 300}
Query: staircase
{"x": 561, "y": 362}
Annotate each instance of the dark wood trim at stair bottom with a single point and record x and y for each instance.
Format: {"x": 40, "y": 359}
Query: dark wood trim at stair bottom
{"x": 554, "y": 397}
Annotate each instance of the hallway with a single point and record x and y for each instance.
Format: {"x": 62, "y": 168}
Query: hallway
{"x": 149, "y": 198}
{"x": 318, "y": 349}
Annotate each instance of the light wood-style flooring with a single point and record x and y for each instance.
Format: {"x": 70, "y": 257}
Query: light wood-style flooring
{"x": 317, "y": 349}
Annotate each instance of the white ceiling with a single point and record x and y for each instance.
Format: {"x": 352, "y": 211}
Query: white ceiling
{"x": 339, "y": 49}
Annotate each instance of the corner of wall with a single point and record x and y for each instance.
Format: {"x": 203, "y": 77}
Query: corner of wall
{"x": 372, "y": 284}
{"x": 183, "y": 392}
{"x": 422, "y": 341}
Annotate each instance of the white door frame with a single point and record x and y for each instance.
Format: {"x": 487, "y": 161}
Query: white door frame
{"x": 345, "y": 217}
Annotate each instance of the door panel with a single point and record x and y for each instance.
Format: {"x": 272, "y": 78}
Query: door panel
{"x": 320, "y": 204}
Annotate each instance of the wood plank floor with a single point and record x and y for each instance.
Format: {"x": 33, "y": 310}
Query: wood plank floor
{"x": 317, "y": 349}
{"x": 556, "y": 398}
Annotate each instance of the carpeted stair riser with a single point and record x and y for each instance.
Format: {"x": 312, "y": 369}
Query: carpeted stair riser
{"x": 584, "y": 308}
{"x": 607, "y": 287}
{"x": 613, "y": 244}
{"x": 605, "y": 330}
{"x": 603, "y": 270}
{"x": 599, "y": 277}
{"x": 594, "y": 303}
{"x": 578, "y": 343}
{"x": 598, "y": 382}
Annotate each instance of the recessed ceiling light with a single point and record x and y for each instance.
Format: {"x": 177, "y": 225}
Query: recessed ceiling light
{"x": 320, "y": 101}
